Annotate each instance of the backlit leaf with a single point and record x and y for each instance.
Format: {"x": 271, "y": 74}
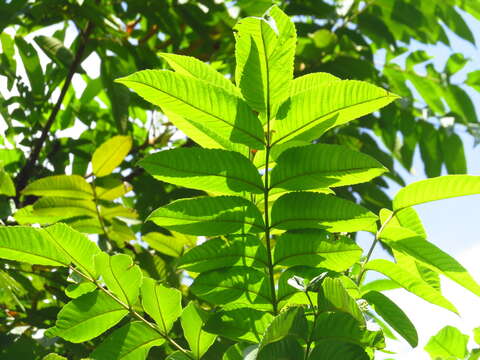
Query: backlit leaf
{"x": 193, "y": 319}
{"x": 121, "y": 276}
{"x": 202, "y": 104}
{"x": 410, "y": 282}
{"x": 87, "y": 317}
{"x": 131, "y": 342}
{"x": 321, "y": 165}
{"x": 316, "y": 248}
{"x": 303, "y": 117}
{"x": 108, "y": 156}
{"x": 70, "y": 186}
{"x": 393, "y": 315}
{"x": 219, "y": 253}
{"x": 213, "y": 170}
{"x": 209, "y": 216}
{"x": 312, "y": 210}
{"x": 163, "y": 304}
{"x": 443, "y": 187}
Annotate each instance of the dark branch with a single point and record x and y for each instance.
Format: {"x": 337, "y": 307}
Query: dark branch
{"x": 26, "y": 171}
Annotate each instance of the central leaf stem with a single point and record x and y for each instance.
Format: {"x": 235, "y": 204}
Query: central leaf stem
{"x": 271, "y": 273}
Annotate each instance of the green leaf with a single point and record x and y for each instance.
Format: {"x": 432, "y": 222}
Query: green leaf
{"x": 393, "y": 315}
{"x": 332, "y": 326}
{"x": 443, "y": 187}
{"x": 264, "y": 59}
{"x": 218, "y": 253}
{"x": 213, "y": 170}
{"x": 205, "y": 136}
{"x": 168, "y": 245}
{"x": 310, "y": 81}
{"x": 320, "y": 166}
{"x": 63, "y": 208}
{"x": 209, "y": 216}
{"x": 87, "y": 317}
{"x": 53, "y": 356}
{"x": 238, "y": 351}
{"x": 238, "y": 285}
{"x": 315, "y": 248}
{"x": 163, "y": 304}
{"x": 428, "y": 254}
{"x": 32, "y": 65}
{"x": 453, "y": 153}
{"x": 448, "y": 343}
{"x": 112, "y": 193}
{"x": 239, "y": 323}
{"x": 74, "y": 291}
{"x": 178, "y": 355}
{"x": 291, "y": 322}
{"x": 121, "y": 276}
{"x": 79, "y": 249}
{"x": 57, "y": 245}
{"x": 303, "y": 117}
{"x": 7, "y": 187}
{"x": 69, "y": 186}
{"x": 193, "y": 319}
{"x": 190, "y": 66}
{"x": 202, "y": 104}
{"x": 287, "y": 348}
{"x": 407, "y": 218}
{"x": 56, "y": 51}
{"x": 476, "y": 335}
{"x": 311, "y": 210}
{"x": 131, "y": 342}
{"x": 334, "y": 350}
{"x": 332, "y": 296}
{"x": 108, "y": 156}
{"x": 473, "y": 79}
{"x": 379, "y": 285}
{"x": 455, "y": 63}
{"x": 410, "y": 282}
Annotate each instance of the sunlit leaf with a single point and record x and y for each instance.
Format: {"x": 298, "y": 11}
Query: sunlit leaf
{"x": 108, "y": 156}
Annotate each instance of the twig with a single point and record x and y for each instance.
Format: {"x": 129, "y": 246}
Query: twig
{"x": 25, "y": 172}
{"x": 372, "y": 247}
{"x": 133, "y": 312}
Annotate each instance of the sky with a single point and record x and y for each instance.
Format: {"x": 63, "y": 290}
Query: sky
{"x": 453, "y": 225}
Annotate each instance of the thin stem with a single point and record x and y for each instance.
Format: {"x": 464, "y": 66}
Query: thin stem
{"x": 372, "y": 247}
{"x": 267, "y": 226}
{"x": 315, "y": 315}
{"x": 133, "y": 312}
{"x": 25, "y": 172}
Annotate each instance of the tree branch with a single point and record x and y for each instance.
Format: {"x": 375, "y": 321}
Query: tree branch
{"x": 26, "y": 171}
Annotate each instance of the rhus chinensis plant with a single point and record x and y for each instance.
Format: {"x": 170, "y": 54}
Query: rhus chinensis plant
{"x": 278, "y": 274}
